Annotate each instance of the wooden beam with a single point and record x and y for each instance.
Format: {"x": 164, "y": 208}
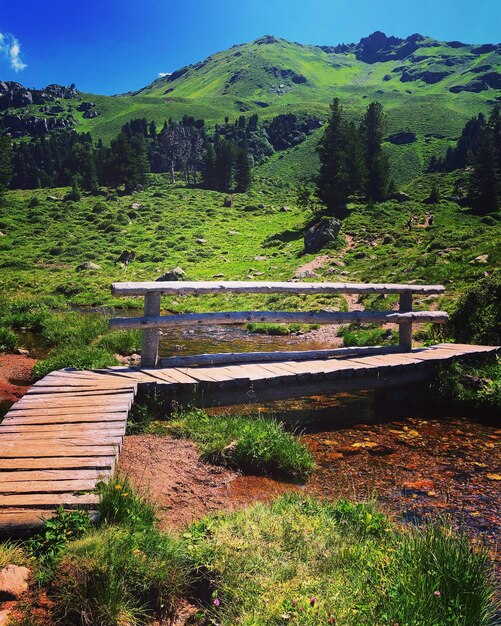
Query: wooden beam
{"x": 405, "y": 325}
{"x": 151, "y": 337}
{"x": 205, "y": 287}
{"x": 281, "y": 317}
{"x": 226, "y": 358}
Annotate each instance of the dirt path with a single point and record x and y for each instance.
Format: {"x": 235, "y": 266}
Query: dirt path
{"x": 184, "y": 487}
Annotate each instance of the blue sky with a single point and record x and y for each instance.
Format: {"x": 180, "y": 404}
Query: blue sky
{"x": 112, "y": 46}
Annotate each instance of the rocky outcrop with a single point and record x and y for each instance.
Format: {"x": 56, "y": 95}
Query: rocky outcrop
{"x": 15, "y": 95}
{"x": 266, "y": 40}
{"x": 400, "y": 196}
{"x": 319, "y": 235}
{"x": 481, "y": 83}
{"x": 23, "y": 125}
{"x": 86, "y": 106}
{"x": 88, "y": 115}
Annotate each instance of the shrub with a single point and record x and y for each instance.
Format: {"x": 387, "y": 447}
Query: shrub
{"x": 477, "y": 316}
{"x": 8, "y": 340}
{"x": 115, "y": 577}
{"x": 256, "y": 445}
{"x": 81, "y": 358}
{"x": 120, "y": 503}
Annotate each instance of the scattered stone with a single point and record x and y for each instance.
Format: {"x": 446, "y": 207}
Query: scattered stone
{"x": 13, "y": 582}
{"x": 228, "y": 201}
{"x": 52, "y": 198}
{"x": 22, "y": 352}
{"x": 261, "y": 206}
{"x": 175, "y": 274}
{"x": 135, "y": 205}
{"x": 260, "y": 258}
{"x": 88, "y": 115}
{"x": 326, "y": 231}
{"x": 305, "y": 274}
{"x": 218, "y": 276}
{"x": 201, "y": 240}
{"x": 286, "y": 209}
{"x": 2, "y": 234}
{"x": 86, "y": 106}
{"x": 233, "y": 232}
{"x": 482, "y": 258}
{"x": 387, "y": 239}
{"x": 88, "y": 266}
{"x": 126, "y": 257}
{"x": 400, "y": 196}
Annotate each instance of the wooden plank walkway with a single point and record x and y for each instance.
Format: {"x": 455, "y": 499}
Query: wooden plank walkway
{"x": 65, "y": 434}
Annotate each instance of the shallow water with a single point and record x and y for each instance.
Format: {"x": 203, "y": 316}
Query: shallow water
{"x": 418, "y": 465}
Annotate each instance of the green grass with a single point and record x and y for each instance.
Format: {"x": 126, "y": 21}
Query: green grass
{"x": 254, "y": 445}
{"x": 124, "y": 342}
{"x": 367, "y": 336}
{"x": 470, "y": 386}
{"x": 116, "y": 576}
{"x": 8, "y": 340}
{"x": 120, "y": 503}
{"x": 279, "y": 329}
{"x": 11, "y": 553}
{"x": 80, "y": 358}
{"x": 308, "y": 562}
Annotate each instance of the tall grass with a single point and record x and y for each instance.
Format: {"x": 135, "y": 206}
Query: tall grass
{"x": 254, "y": 445}
{"x": 120, "y": 503}
{"x": 78, "y": 357}
{"x": 8, "y": 340}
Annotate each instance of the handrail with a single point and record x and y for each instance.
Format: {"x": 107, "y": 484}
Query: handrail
{"x": 152, "y": 321}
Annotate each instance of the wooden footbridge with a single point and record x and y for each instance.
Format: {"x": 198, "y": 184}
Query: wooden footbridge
{"x": 65, "y": 434}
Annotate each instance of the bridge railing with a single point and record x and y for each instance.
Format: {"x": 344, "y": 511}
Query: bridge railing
{"x": 152, "y": 321}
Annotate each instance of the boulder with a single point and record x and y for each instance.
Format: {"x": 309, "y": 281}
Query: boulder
{"x": 200, "y": 240}
{"x": 228, "y": 201}
{"x": 13, "y": 582}
{"x": 321, "y": 234}
{"x": 176, "y": 273}
{"x": 402, "y": 138}
{"x": 481, "y": 258}
{"x": 135, "y": 205}
{"x": 2, "y": 234}
{"x": 88, "y": 266}
{"x": 285, "y": 209}
{"x": 400, "y": 196}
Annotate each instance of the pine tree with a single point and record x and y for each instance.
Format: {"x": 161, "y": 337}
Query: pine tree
{"x": 485, "y": 188}
{"x": 334, "y": 176}
{"x": 372, "y": 132}
{"x": 225, "y": 163}
{"x": 242, "y": 171}
{"x": 209, "y": 168}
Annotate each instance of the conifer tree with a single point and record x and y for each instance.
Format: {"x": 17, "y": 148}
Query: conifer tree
{"x": 485, "y": 190}
{"x": 372, "y": 131}
{"x": 242, "y": 171}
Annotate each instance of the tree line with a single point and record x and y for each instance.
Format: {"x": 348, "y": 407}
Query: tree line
{"x": 479, "y": 149}
{"x": 221, "y": 160}
{"x": 352, "y": 159}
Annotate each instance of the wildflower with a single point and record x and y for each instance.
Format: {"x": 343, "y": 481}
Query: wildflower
{"x": 216, "y": 602}
{"x": 125, "y": 494}
{"x": 437, "y": 593}
{"x": 118, "y": 487}
{"x": 313, "y": 601}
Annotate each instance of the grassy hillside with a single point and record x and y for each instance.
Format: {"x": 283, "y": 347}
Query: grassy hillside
{"x": 45, "y": 240}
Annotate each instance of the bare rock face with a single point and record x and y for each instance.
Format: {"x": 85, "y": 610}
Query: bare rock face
{"x": 13, "y": 582}
{"x": 321, "y": 234}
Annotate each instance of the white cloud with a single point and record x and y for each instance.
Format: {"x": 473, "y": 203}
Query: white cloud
{"x": 162, "y": 74}
{"x": 10, "y": 49}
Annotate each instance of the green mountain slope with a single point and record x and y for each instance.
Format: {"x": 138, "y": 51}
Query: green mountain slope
{"x": 429, "y": 90}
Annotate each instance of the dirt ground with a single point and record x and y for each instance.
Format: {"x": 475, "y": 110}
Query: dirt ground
{"x": 15, "y": 376}
{"x": 184, "y": 487}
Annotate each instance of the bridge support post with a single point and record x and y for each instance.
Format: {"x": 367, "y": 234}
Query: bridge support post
{"x": 405, "y": 328}
{"x": 151, "y": 336}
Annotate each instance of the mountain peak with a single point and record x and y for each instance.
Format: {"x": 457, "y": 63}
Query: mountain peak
{"x": 265, "y": 39}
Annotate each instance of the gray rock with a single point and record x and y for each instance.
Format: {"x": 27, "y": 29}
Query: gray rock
{"x": 174, "y": 274}
{"x": 228, "y": 201}
{"x": 13, "y": 582}
{"x": 400, "y": 196}
{"x": 321, "y": 234}
{"x": 200, "y": 240}
{"x": 88, "y": 266}
{"x": 135, "y": 205}
{"x": 2, "y": 234}
{"x": 285, "y": 209}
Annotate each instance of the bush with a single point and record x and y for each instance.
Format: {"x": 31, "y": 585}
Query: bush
{"x": 477, "y": 316}
{"x": 120, "y": 503}
{"x": 8, "y": 340}
{"x": 124, "y": 342}
{"x": 80, "y": 358}
{"x": 115, "y": 577}
{"x": 255, "y": 445}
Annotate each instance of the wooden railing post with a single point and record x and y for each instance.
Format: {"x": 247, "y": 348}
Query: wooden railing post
{"x": 151, "y": 336}
{"x": 405, "y": 328}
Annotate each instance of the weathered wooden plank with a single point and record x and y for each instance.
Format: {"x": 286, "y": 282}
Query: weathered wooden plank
{"x": 52, "y": 475}
{"x": 47, "y": 486}
{"x": 68, "y": 500}
{"x": 101, "y": 402}
{"x": 73, "y": 392}
{"x": 63, "y": 429}
{"x": 281, "y": 317}
{"x": 20, "y": 418}
{"x": 205, "y": 287}
{"x": 18, "y": 450}
{"x": 170, "y": 376}
{"x": 97, "y": 437}
{"x": 149, "y": 346}
{"x": 58, "y": 462}
{"x": 228, "y": 358}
